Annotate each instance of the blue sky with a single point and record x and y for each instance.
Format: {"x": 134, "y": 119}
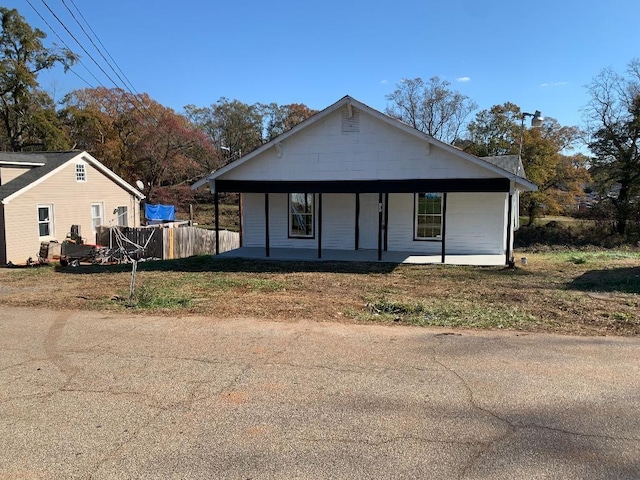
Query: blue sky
{"x": 536, "y": 54}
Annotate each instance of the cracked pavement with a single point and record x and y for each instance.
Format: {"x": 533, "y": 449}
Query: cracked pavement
{"x": 101, "y": 396}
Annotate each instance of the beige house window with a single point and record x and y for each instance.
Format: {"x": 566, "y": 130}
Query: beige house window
{"x": 81, "y": 172}
{"x": 97, "y": 216}
{"x": 45, "y": 220}
{"x": 122, "y": 213}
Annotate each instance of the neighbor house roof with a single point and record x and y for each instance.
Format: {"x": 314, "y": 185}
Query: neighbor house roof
{"x": 518, "y": 178}
{"x": 510, "y": 163}
{"x": 44, "y": 164}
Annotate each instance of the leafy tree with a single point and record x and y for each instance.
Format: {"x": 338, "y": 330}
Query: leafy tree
{"x": 433, "y": 107}
{"x": 105, "y": 123}
{"x": 614, "y": 116}
{"x": 232, "y": 126}
{"x": 495, "y": 131}
{"x": 27, "y": 115}
{"x": 280, "y": 119}
{"x": 138, "y": 138}
{"x": 560, "y": 178}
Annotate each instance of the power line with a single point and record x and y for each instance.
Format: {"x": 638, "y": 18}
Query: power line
{"x": 65, "y": 44}
{"x": 124, "y": 90}
{"x": 93, "y": 43}
{"x": 102, "y": 45}
{"x": 79, "y": 44}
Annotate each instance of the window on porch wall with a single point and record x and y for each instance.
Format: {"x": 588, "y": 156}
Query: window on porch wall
{"x": 428, "y": 221}
{"x": 301, "y": 215}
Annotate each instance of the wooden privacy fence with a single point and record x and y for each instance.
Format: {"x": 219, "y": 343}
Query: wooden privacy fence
{"x": 169, "y": 243}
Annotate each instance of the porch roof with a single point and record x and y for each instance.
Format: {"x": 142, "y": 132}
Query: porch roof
{"x": 470, "y": 185}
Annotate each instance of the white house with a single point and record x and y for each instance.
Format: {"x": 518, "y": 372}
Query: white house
{"x": 353, "y": 179}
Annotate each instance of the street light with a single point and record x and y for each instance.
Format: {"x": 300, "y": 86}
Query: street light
{"x": 536, "y": 122}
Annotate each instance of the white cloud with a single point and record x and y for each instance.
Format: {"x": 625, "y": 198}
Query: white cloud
{"x": 553, "y": 84}
{"x": 384, "y": 82}
{"x": 464, "y": 79}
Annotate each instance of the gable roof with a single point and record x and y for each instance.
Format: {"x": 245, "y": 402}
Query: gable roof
{"x": 45, "y": 164}
{"x": 351, "y": 102}
{"x": 510, "y": 163}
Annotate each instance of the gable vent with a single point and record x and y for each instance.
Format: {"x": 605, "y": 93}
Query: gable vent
{"x": 350, "y": 124}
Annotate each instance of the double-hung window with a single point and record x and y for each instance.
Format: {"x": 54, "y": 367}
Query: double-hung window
{"x": 45, "y": 220}
{"x": 97, "y": 217}
{"x": 428, "y": 221}
{"x": 301, "y": 215}
{"x": 122, "y": 216}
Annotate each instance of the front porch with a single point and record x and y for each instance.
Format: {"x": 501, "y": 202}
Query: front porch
{"x": 328, "y": 255}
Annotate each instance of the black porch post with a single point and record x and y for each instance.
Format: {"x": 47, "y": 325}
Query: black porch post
{"x": 379, "y": 226}
{"x": 509, "y": 223}
{"x": 216, "y": 210}
{"x": 266, "y": 224}
{"x": 444, "y": 225}
{"x": 357, "y": 221}
{"x": 386, "y": 222}
{"x": 240, "y": 220}
{"x": 319, "y": 225}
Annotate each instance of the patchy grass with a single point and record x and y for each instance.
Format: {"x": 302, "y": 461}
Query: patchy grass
{"x": 150, "y": 297}
{"x": 577, "y": 292}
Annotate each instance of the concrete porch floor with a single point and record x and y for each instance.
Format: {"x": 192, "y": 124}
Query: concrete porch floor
{"x": 305, "y": 254}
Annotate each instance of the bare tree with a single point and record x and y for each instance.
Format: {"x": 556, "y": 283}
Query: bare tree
{"x": 433, "y": 107}
{"x": 613, "y": 116}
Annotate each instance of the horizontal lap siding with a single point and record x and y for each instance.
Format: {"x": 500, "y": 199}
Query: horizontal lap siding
{"x": 377, "y": 151}
{"x": 71, "y": 202}
{"x": 338, "y": 221}
{"x": 401, "y": 225}
{"x": 253, "y": 221}
{"x": 475, "y": 225}
{"x": 279, "y": 224}
{"x": 9, "y": 173}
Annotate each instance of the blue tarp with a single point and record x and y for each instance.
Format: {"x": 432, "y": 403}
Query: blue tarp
{"x": 160, "y": 213}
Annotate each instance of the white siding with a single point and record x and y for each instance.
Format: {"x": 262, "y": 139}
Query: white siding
{"x": 401, "y": 227}
{"x": 378, "y": 151}
{"x": 475, "y": 224}
{"x": 338, "y": 221}
{"x": 253, "y": 220}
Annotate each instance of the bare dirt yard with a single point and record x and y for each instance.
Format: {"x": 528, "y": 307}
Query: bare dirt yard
{"x": 583, "y": 293}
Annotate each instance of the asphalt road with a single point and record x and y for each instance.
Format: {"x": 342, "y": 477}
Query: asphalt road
{"x": 95, "y": 395}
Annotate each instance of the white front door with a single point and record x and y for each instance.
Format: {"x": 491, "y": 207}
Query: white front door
{"x": 368, "y": 222}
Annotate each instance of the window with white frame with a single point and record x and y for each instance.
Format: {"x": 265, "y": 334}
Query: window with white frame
{"x": 45, "y": 220}
{"x": 97, "y": 217}
{"x": 428, "y": 221}
{"x": 122, "y": 213}
{"x": 301, "y": 215}
{"x": 81, "y": 172}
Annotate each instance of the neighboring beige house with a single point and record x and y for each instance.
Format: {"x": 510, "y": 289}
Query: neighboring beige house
{"x": 42, "y": 194}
